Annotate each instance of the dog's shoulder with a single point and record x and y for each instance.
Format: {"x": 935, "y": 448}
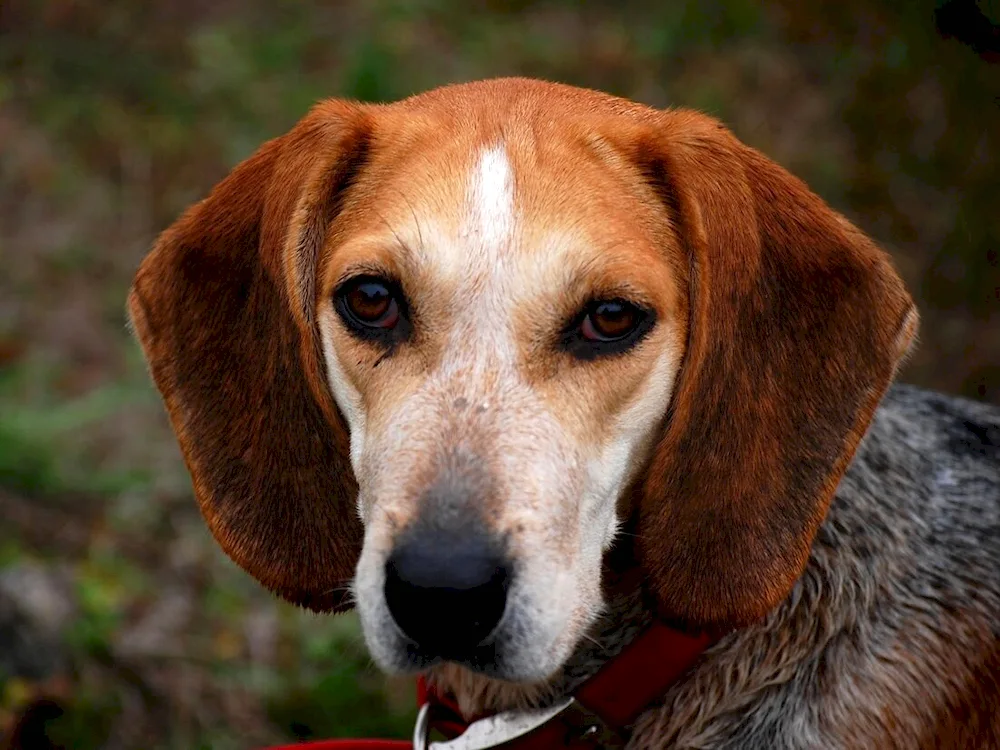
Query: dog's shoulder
{"x": 929, "y": 467}
{"x": 891, "y": 637}
{"x": 910, "y": 557}
{"x": 946, "y": 432}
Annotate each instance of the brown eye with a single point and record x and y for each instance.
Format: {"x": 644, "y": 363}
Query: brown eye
{"x": 606, "y": 328}
{"x": 371, "y": 303}
{"x": 610, "y": 321}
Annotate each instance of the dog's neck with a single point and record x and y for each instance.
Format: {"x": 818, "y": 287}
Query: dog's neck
{"x": 626, "y": 615}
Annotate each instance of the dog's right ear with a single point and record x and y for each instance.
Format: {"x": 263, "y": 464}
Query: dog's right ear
{"x": 224, "y": 309}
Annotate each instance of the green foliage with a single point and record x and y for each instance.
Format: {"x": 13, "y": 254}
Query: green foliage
{"x": 338, "y": 692}
{"x": 40, "y": 449}
{"x": 86, "y": 722}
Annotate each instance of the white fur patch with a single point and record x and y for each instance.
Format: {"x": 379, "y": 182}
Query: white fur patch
{"x": 482, "y": 259}
{"x": 491, "y": 198}
{"x": 346, "y": 396}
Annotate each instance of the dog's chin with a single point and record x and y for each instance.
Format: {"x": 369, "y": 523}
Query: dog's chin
{"x": 477, "y": 694}
{"x": 487, "y": 680}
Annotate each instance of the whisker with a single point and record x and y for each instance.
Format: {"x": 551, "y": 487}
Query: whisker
{"x": 349, "y": 590}
{"x": 399, "y": 241}
{"x": 596, "y": 642}
{"x": 630, "y": 534}
{"x": 416, "y": 221}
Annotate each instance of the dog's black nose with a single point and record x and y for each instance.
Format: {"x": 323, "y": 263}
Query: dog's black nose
{"x": 446, "y": 593}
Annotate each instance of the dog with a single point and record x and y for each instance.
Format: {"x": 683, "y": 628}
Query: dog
{"x": 516, "y": 369}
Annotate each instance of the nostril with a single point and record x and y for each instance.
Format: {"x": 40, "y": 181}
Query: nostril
{"x": 446, "y": 598}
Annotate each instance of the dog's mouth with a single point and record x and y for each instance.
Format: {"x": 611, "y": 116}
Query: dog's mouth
{"x": 481, "y": 659}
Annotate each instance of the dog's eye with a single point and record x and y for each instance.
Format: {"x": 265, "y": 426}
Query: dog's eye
{"x": 370, "y": 305}
{"x": 606, "y": 327}
{"x": 610, "y": 321}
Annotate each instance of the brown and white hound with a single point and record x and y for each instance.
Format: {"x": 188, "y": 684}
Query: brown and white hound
{"x": 467, "y": 360}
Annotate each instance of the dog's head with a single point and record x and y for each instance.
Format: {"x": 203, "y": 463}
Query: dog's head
{"x": 442, "y": 349}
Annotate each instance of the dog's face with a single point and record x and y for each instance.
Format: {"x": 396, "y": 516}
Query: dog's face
{"x": 439, "y": 351}
{"x": 502, "y": 341}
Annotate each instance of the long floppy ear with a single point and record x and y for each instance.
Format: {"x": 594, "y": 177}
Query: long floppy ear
{"x": 224, "y": 309}
{"x": 797, "y": 324}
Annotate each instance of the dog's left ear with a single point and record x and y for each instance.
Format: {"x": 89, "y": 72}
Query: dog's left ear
{"x": 224, "y": 307}
{"x": 797, "y": 324}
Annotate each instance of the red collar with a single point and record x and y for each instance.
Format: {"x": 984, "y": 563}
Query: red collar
{"x": 598, "y": 715}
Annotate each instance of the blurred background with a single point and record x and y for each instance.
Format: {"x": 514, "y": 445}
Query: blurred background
{"x": 122, "y": 625}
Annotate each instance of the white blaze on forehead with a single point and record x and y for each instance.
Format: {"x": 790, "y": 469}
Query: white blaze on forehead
{"x": 481, "y": 260}
{"x": 491, "y": 199}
